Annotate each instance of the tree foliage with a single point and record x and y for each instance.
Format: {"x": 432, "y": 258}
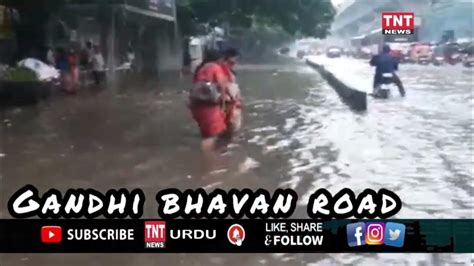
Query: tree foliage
{"x": 30, "y": 29}
{"x": 296, "y": 17}
{"x": 305, "y": 17}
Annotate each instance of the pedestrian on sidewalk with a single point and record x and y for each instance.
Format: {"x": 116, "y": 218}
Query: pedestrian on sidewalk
{"x": 62, "y": 63}
{"x": 73, "y": 60}
{"x": 89, "y": 52}
{"x": 50, "y": 57}
{"x": 186, "y": 65}
{"x": 98, "y": 65}
{"x": 131, "y": 57}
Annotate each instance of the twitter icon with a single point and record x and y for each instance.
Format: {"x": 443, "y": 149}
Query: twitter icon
{"x": 394, "y": 234}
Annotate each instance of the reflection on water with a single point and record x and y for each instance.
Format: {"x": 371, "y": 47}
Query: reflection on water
{"x": 297, "y": 132}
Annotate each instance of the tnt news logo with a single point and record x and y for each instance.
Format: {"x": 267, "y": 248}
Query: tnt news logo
{"x": 155, "y": 234}
{"x": 398, "y": 23}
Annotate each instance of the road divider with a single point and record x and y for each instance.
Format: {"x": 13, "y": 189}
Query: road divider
{"x": 356, "y": 99}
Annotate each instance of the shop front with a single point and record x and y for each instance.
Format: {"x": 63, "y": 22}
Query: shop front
{"x": 146, "y": 29}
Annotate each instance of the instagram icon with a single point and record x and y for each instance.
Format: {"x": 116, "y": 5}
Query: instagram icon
{"x": 374, "y": 233}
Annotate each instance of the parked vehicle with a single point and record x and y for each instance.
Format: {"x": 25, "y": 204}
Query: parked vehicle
{"x": 284, "y": 50}
{"x": 374, "y": 40}
{"x": 364, "y": 53}
{"x": 468, "y": 60}
{"x": 438, "y": 61}
{"x": 420, "y": 53}
{"x": 405, "y": 57}
{"x": 333, "y": 52}
{"x": 346, "y": 51}
{"x": 300, "y": 54}
{"x": 399, "y": 50}
{"x": 437, "y": 57}
{"x": 452, "y": 53}
{"x": 424, "y": 59}
{"x": 310, "y": 52}
{"x": 468, "y": 54}
{"x": 456, "y": 58}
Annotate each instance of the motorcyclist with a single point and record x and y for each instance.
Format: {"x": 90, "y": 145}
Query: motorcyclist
{"x": 386, "y": 63}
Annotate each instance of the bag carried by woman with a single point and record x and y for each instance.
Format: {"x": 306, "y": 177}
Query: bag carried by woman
{"x": 206, "y": 92}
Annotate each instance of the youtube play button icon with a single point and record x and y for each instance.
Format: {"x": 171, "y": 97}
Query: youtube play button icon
{"x": 51, "y": 234}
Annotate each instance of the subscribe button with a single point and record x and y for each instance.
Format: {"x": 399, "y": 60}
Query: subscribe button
{"x": 51, "y": 234}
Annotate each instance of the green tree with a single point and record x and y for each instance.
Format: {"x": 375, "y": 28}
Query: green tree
{"x": 296, "y": 17}
{"x": 305, "y": 17}
{"x": 34, "y": 16}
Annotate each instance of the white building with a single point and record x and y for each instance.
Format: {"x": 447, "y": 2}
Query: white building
{"x": 359, "y": 17}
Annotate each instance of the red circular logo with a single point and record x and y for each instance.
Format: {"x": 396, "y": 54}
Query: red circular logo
{"x": 236, "y": 234}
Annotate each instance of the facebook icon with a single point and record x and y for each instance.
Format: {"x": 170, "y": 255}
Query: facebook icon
{"x": 356, "y": 234}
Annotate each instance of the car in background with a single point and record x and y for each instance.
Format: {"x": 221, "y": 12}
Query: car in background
{"x": 468, "y": 60}
{"x": 424, "y": 59}
{"x": 437, "y": 60}
{"x": 420, "y": 53}
{"x": 311, "y": 52}
{"x": 346, "y": 51}
{"x": 364, "y": 53}
{"x": 437, "y": 55}
{"x": 284, "y": 50}
{"x": 300, "y": 54}
{"x": 333, "y": 52}
{"x": 467, "y": 51}
{"x": 452, "y": 53}
{"x": 400, "y": 51}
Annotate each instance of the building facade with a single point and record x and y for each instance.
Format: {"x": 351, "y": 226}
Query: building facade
{"x": 8, "y": 18}
{"x": 364, "y": 16}
{"x": 147, "y": 27}
{"x": 455, "y": 15}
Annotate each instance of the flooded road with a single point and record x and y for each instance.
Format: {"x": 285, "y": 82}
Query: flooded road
{"x": 297, "y": 134}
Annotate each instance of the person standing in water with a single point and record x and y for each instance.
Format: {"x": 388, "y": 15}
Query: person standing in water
{"x": 208, "y": 99}
{"x": 98, "y": 65}
{"x": 62, "y": 63}
{"x": 233, "y": 100}
{"x": 73, "y": 60}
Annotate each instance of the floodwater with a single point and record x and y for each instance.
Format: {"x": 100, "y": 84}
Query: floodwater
{"x": 297, "y": 134}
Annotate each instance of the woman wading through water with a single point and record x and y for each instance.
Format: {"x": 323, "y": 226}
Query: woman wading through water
{"x": 215, "y": 102}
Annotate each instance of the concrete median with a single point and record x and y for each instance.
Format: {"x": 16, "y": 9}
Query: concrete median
{"x": 356, "y": 99}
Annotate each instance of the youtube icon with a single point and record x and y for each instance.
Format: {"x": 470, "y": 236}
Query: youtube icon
{"x": 51, "y": 234}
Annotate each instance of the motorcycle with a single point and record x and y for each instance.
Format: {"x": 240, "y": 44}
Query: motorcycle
{"x": 383, "y": 90}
